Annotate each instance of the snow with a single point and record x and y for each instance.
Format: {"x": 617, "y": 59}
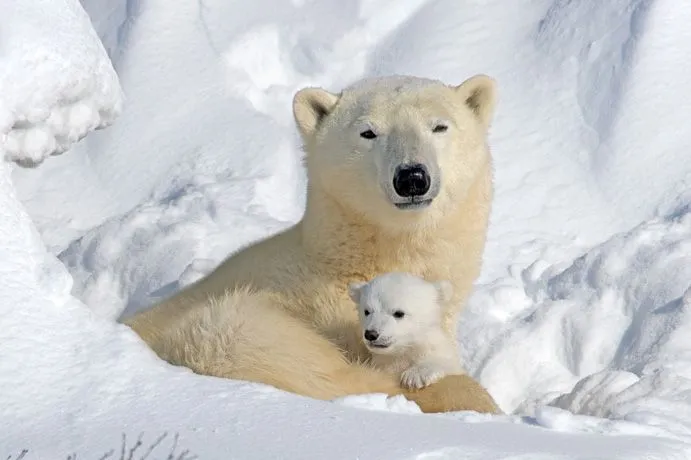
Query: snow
{"x": 578, "y": 322}
{"x": 56, "y": 82}
{"x": 616, "y": 321}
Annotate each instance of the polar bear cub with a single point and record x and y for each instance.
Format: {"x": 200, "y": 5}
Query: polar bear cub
{"x": 401, "y": 325}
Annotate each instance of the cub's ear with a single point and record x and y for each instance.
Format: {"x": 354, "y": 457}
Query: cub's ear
{"x": 355, "y": 289}
{"x": 310, "y": 106}
{"x": 445, "y": 290}
{"x": 479, "y": 94}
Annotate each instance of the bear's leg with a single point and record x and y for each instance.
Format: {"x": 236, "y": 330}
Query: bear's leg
{"x": 454, "y": 393}
{"x": 297, "y": 359}
{"x": 451, "y": 393}
{"x": 243, "y": 336}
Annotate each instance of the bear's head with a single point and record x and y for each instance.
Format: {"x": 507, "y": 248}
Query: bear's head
{"x": 399, "y": 310}
{"x": 398, "y": 150}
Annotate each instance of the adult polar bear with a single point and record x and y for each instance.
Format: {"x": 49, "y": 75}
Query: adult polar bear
{"x": 400, "y": 179}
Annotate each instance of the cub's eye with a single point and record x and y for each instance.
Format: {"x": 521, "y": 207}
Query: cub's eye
{"x": 366, "y": 312}
{"x": 440, "y": 128}
{"x": 398, "y": 314}
{"x": 369, "y": 134}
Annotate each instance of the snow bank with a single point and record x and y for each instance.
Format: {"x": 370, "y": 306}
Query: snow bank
{"x": 179, "y": 236}
{"x": 56, "y": 81}
{"x": 604, "y": 336}
{"x": 646, "y": 146}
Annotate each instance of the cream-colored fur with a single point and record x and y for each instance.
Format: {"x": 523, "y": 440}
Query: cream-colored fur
{"x": 400, "y": 324}
{"x": 276, "y": 348}
{"x": 351, "y": 231}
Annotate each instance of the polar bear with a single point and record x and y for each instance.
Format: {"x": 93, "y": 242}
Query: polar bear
{"x": 401, "y": 325}
{"x": 399, "y": 178}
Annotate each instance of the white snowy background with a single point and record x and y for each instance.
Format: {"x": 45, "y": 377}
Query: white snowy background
{"x": 579, "y": 325}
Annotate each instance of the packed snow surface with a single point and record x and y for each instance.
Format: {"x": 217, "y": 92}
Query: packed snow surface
{"x": 578, "y": 325}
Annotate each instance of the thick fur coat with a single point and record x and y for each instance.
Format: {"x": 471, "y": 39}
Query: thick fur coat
{"x": 278, "y": 311}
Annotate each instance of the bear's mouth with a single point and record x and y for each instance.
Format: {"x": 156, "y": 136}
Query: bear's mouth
{"x": 379, "y": 345}
{"x": 413, "y": 204}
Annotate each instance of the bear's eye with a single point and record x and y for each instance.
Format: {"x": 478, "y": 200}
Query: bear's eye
{"x": 440, "y": 128}
{"x": 369, "y": 134}
{"x": 366, "y": 312}
{"x": 398, "y": 314}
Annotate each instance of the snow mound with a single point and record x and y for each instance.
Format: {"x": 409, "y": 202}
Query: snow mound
{"x": 604, "y": 336}
{"x": 180, "y": 235}
{"x": 56, "y": 81}
{"x": 646, "y": 146}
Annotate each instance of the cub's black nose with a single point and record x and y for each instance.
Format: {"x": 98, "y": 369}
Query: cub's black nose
{"x": 371, "y": 335}
{"x": 411, "y": 180}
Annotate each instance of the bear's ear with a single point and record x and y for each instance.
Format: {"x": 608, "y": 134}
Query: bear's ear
{"x": 445, "y": 290}
{"x": 354, "y": 290}
{"x": 479, "y": 94}
{"x": 310, "y": 106}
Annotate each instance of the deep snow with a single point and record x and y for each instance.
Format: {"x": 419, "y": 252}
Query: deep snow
{"x": 577, "y": 323}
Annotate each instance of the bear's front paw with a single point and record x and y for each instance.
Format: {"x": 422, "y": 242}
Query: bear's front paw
{"x": 421, "y": 375}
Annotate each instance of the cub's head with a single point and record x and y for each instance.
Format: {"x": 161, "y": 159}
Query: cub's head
{"x": 398, "y": 310}
{"x": 401, "y": 151}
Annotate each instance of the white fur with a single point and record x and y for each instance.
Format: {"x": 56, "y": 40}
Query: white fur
{"x": 353, "y": 229}
{"x": 402, "y": 111}
{"x": 405, "y": 312}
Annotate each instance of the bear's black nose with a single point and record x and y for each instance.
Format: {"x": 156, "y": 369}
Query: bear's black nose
{"x": 371, "y": 335}
{"x": 411, "y": 180}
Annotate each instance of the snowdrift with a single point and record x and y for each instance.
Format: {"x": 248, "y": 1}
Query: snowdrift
{"x": 616, "y": 321}
{"x": 56, "y": 82}
{"x": 577, "y": 324}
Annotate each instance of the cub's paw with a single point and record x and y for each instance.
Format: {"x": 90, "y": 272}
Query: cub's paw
{"x": 421, "y": 375}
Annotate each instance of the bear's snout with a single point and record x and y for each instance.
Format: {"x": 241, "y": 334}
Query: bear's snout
{"x": 371, "y": 335}
{"x": 411, "y": 180}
